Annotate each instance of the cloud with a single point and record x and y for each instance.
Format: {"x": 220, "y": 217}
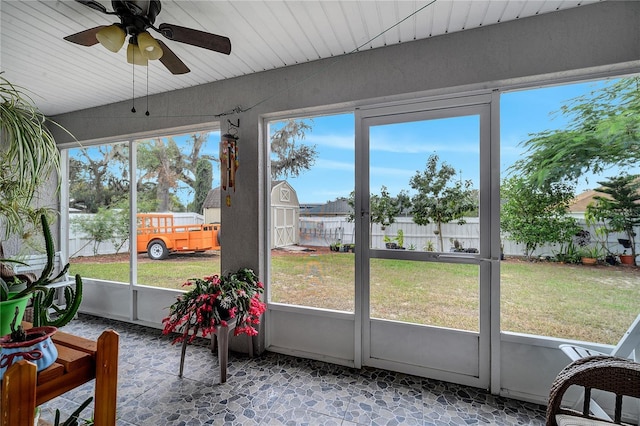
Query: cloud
{"x": 332, "y": 141}
{"x": 334, "y": 165}
{"x": 328, "y": 194}
{"x": 412, "y": 147}
{"x": 406, "y": 145}
{"x": 391, "y": 172}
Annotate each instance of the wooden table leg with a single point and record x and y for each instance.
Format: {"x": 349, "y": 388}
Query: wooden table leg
{"x": 106, "y": 379}
{"x": 19, "y": 394}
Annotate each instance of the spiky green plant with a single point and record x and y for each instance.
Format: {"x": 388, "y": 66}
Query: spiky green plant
{"x": 74, "y": 419}
{"x": 43, "y": 295}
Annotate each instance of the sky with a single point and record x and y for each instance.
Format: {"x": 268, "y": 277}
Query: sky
{"x": 399, "y": 151}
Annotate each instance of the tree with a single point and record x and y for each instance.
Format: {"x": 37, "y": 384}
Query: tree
{"x": 621, "y": 210}
{"x": 163, "y": 164}
{"x": 438, "y": 199}
{"x": 534, "y": 215}
{"x": 99, "y": 177}
{"x": 105, "y": 225}
{"x": 385, "y": 208}
{"x": 289, "y": 158}
{"x": 167, "y": 167}
{"x": 604, "y": 132}
{"x": 203, "y": 183}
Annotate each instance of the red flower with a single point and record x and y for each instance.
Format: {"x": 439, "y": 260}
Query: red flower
{"x": 201, "y": 309}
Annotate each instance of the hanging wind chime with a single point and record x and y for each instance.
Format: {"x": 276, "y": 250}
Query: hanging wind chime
{"x": 229, "y": 159}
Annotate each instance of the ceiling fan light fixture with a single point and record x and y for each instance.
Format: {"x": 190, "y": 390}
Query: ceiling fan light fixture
{"x": 135, "y": 56}
{"x": 111, "y": 37}
{"x": 149, "y": 46}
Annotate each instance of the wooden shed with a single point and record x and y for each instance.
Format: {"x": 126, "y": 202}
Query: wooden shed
{"x": 211, "y": 206}
{"x": 285, "y": 213}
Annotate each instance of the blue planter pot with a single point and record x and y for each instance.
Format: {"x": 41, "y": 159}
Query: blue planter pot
{"x": 38, "y": 348}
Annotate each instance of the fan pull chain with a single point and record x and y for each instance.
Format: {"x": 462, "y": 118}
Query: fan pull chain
{"x": 147, "y": 113}
{"x": 133, "y": 86}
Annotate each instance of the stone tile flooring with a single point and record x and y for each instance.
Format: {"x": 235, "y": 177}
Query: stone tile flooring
{"x": 274, "y": 389}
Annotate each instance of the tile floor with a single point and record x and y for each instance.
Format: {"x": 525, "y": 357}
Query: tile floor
{"x": 274, "y": 389}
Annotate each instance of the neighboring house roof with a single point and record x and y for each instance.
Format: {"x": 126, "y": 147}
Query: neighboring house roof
{"x": 338, "y": 207}
{"x": 582, "y": 200}
{"x": 213, "y": 199}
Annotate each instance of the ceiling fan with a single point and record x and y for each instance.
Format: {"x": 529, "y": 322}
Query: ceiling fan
{"x": 136, "y": 17}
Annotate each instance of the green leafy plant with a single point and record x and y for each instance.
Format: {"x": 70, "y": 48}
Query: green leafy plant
{"x": 215, "y": 300}
{"x": 396, "y": 242}
{"x": 619, "y": 207}
{"x": 28, "y": 156}
{"x": 593, "y": 252}
{"x": 602, "y": 131}
{"x": 400, "y": 238}
{"x": 534, "y": 216}
{"x": 106, "y": 225}
{"x": 74, "y": 419}
{"x": 569, "y": 254}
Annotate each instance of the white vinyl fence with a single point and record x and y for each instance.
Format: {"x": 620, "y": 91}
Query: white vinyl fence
{"x": 81, "y": 244}
{"x": 323, "y": 231}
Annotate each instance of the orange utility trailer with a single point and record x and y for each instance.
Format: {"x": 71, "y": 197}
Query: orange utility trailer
{"x": 158, "y": 236}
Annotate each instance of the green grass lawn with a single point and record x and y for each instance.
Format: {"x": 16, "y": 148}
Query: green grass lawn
{"x": 551, "y": 299}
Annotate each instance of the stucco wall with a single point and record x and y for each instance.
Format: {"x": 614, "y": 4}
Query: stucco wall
{"x": 590, "y": 40}
{"x": 602, "y": 35}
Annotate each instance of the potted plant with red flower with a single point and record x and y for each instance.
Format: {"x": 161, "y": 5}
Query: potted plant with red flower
{"x": 214, "y": 301}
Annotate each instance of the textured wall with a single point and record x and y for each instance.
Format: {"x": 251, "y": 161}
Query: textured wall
{"x": 594, "y": 36}
{"x": 592, "y": 39}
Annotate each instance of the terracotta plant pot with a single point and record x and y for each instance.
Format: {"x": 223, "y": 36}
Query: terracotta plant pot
{"x": 589, "y": 260}
{"x": 626, "y": 259}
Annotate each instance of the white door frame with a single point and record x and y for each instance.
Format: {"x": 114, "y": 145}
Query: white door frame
{"x": 489, "y": 249}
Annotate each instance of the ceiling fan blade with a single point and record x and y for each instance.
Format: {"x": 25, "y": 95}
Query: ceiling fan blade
{"x": 171, "y": 61}
{"x": 86, "y": 37}
{"x": 94, "y": 5}
{"x": 198, "y": 38}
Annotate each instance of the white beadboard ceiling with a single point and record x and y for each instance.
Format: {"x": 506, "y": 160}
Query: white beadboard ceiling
{"x": 64, "y": 77}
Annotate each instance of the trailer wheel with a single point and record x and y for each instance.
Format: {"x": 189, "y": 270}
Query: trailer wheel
{"x": 157, "y": 250}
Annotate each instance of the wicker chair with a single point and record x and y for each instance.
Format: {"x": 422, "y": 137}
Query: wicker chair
{"x": 616, "y": 375}
{"x": 627, "y": 347}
